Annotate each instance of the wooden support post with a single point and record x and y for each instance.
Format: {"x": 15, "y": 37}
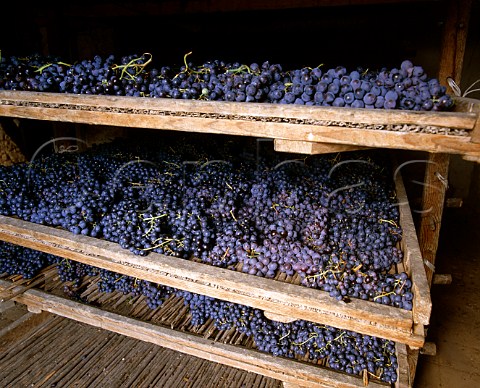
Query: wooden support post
{"x": 435, "y": 186}
{"x": 412, "y": 359}
{"x": 454, "y": 41}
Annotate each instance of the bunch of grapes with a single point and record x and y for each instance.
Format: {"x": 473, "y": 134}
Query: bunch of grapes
{"x": 312, "y": 219}
{"x": 407, "y": 87}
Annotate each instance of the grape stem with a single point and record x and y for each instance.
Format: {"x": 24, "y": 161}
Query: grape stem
{"x": 382, "y": 295}
{"x": 284, "y": 336}
{"x": 42, "y": 68}
{"x": 391, "y": 222}
{"x": 310, "y": 337}
{"x": 137, "y": 67}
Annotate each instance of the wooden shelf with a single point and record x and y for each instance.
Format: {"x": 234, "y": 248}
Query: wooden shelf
{"x": 273, "y": 296}
{"x": 203, "y": 345}
{"x": 377, "y": 128}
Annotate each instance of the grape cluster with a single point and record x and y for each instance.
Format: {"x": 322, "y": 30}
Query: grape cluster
{"x": 26, "y": 262}
{"x": 334, "y": 224}
{"x": 343, "y": 350}
{"x": 407, "y": 87}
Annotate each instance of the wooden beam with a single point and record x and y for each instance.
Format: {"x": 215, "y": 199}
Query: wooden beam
{"x": 403, "y": 371}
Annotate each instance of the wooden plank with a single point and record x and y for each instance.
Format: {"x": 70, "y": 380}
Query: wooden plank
{"x": 422, "y": 303}
{"x": 250, "y": 360}
{"x": 403, "y": 371}
{"x": 433, "y": 199}
{"x": 276, "y": 121}
{"x": 309, "y": 148}
{"x": 277, "y": 297}
{"x": 59, "y": 102}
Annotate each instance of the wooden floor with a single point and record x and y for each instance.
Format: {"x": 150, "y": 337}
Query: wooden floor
{"x": 45, "y": 350}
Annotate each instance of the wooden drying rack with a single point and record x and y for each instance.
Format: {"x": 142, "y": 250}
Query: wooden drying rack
{"x": 297, "y": 129}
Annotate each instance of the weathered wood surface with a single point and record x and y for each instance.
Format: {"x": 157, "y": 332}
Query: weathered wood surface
{"x": 246, "y": 359}
{"x": 413, "y": 263}
{"x": 403, "y": 371}
{"x": 21, "y": 328}
{"x": 276, "y": 121}
{"x": 64, "y": 353}
{"x": 9, "y": 151}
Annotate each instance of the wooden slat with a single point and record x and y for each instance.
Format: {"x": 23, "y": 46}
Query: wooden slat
{"x": 413, "y": 262}
{"x": 403, "y": 371}
{"x": 266, "y": 294}
{"x": 276, "y": 121}
{"x": 245, "y": 359}
{"x": 412, "y": 359}
{"x": 309, "y": 148}
{"x": 171, "y": 107}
